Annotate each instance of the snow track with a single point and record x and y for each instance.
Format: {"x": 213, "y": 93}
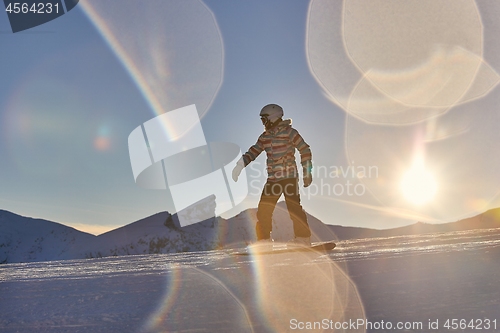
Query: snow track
{"x": 404, "y": 278}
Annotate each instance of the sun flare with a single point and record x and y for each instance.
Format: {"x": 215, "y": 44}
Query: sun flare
{"x": 418, "y": 184}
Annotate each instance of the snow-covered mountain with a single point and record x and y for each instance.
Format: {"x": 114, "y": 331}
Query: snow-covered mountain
{"x": 24, "y": 239}
{"x": 159, "y": 233}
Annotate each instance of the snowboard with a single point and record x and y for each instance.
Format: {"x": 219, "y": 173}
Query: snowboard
{"x": 321, "y": 248}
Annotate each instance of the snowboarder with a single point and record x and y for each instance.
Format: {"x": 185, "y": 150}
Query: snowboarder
{"x": 280, "y": 140}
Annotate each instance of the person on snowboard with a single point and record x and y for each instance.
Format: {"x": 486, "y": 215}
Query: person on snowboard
{"x": 280, "y": 140}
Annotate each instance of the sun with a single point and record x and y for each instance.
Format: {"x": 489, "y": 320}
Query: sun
{"x": 418, "y": 184}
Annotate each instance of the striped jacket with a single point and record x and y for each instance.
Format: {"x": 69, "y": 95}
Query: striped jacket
{"x": 280, "y": 143}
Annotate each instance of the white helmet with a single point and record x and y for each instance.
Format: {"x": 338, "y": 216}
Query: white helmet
{"x": 271, "y": 113}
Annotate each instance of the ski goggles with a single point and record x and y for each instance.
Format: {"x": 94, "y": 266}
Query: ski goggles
{"x": 264, "y": 118}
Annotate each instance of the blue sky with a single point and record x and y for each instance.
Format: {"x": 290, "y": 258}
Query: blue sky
{"x": 68, "y": 102}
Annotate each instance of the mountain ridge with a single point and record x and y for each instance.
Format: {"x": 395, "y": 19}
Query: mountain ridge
{"x": 26, "y": 239}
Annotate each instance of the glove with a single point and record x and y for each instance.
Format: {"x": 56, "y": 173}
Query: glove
{"x": 307, "y": 180}
{"x": 307, "y": 174}
{"x": 237, "y": 169}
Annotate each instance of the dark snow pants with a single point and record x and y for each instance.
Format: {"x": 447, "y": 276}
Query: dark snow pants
{"x": 270, "y": 195}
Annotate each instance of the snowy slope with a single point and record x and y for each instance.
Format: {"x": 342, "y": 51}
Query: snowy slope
{"x": 487, "y": 220}
{"x": 422, "y": 283}
{"x": 23, "y": 239}
{"x": 161, "y": 233}
{"x": 155, "y": 234}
